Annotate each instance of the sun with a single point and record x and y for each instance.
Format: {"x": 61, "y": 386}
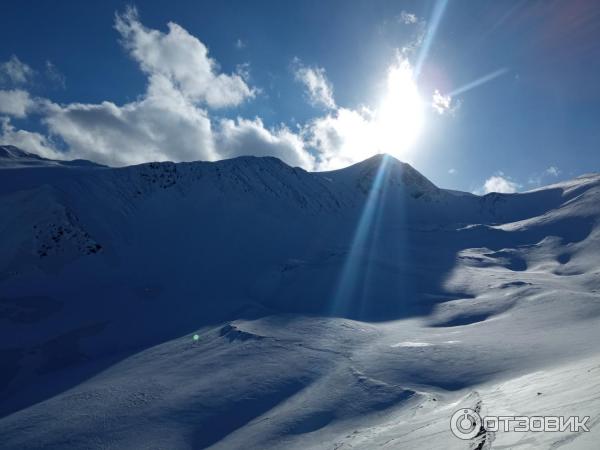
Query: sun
{"x": 391, "y": 124}
{"x": 399, "y": 117}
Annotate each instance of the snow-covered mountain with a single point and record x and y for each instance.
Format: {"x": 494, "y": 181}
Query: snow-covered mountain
{"x": 357, "y": 308}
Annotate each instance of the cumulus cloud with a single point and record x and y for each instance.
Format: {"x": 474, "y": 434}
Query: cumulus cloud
{"x": 183, "y": 60}
{"x": 318, "y": 88}
{"x": 342, "y": 137}
{"x": 347, "y": 135}
{"x": 408, "y": 18}
{"x": 173, "y": 118}
{"x": 240, "y": 44}
{"x": 27, "y": 140}
{"x": 501, "y": 184}
{"x": 15, "y": 102}
{"x": 170, "y": 121}
{"x": 162, "y": 125}
{"x": 14, "y": 71}
{"x": 553, "y": 171}
{"x": 250, "y": 137}
{"x": 443, "y": 104}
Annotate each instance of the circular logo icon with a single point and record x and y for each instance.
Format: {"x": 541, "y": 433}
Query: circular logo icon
{"x": 465, "y": 423}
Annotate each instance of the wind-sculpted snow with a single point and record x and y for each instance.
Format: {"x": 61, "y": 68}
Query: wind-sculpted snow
{"x": 248, "y": 304}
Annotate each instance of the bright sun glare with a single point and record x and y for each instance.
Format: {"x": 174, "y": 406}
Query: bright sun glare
{"x": 400, "y": 115}
{"x": 392, "y": 126}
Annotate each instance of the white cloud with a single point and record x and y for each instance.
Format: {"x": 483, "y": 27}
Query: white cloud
{"x": 163, "y": 125}
{"x": 342, "y": 137}
{"x": 243, "y": 70}
{"x": 345, "y": 136}
{"x": 501, "y": 184}
{"x": 318, "y": 87}
{"x": 168, "y": 122}
{"x": 250, "y": 137}
{"x": 15, "y": 102}
{"x": 442, "y": 103}
{"x": 183, "y": 60}
{"x": 408, "y": 18}
{"x": 55, "y": 75}
{"x": 537, "y": 178}
{"x": 27, "y": 140}
{"x": 452, "y": 171}
{"x": 240, "y": 44}
{"x": 420, "y": 30}
{"x": 172, "y": 119}
{"x": 16, "y": 72}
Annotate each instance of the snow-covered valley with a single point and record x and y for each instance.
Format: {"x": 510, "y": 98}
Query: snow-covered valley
{"x": 247, "y": 304}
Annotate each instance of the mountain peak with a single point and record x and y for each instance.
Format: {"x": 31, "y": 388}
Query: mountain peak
{"x": 395, "y": 172}
{"x": 12, "y": 152}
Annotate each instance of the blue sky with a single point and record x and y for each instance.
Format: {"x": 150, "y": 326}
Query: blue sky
{"x": 320, "y": 84}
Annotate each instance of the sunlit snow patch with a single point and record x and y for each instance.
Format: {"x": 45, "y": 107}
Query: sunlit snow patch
{"x": 411, "y": 344}
{"x": 419, "y": 344}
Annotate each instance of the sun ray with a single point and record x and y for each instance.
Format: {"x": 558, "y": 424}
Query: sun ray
{"x": 436, "y": 18}
{"x": 350, "y": 293}
{"x": 478, "y": 82}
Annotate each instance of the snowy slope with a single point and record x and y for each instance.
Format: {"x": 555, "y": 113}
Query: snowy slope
{"x": 13, "y": 157}
{"x": 357, "y": 308}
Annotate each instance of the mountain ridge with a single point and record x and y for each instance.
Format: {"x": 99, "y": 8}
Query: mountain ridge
{"x": 369, "y": 278}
